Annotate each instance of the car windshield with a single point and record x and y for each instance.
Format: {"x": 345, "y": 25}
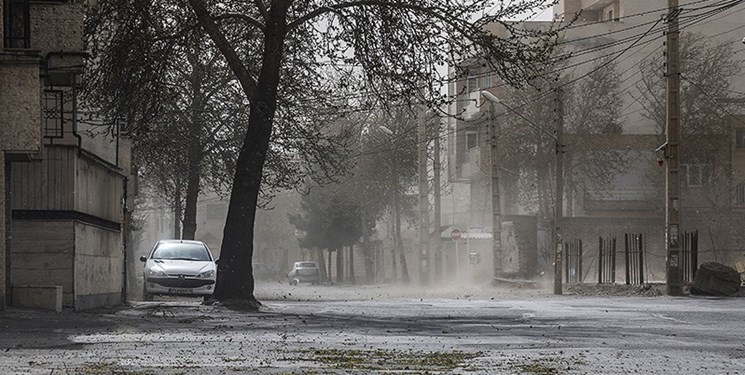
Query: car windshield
{"x": 305, "y": 265}
{"x": 181, "y": 251}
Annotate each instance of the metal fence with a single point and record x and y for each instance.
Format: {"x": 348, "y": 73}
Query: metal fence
{"x": 607, "y": 260}
{"x": 689, "y": 257}
{"x": 573, "y": 261}
{"x": 634, "y": 256}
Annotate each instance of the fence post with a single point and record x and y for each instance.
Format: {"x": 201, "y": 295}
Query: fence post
{"x": 641, "y": 259}
{"x": 613, "y": 261}
{"x": 626, "y": 258}
{"x": 579, "y": 271}
{"x": 600, "y": 260}
{"x": 567, "y": 258}
{"x": 694, "y": 254}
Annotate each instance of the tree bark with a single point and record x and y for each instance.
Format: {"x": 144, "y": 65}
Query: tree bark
{"x": 198, "y": 104}
{"x": 340, "y": 264}
{"x": 190, "y": 205}
{"x": 351, "y": 264}
{"x": 321, "y": 261}
{"x": 399, "y": 242}
{"x": 367, "y": 249}
{"x": 177, "y": 209}
{"x": 235, "y": 275}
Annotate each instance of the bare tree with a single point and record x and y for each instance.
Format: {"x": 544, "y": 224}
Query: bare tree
{"x": 707, "y": 70}
{"x": 592, "y": 106}
{"x": 397, "y": 45}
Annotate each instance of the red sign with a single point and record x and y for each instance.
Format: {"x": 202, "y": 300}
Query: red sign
{"x": 455, "y": 235}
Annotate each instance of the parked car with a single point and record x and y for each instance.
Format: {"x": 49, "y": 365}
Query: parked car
{"x": 303, "y": 272}
{"x": 179, "y": 268}
{"x": 265, "y": 272}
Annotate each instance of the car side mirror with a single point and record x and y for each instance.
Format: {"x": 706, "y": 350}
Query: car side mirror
{"x": 143, "y": 259}
{"x": 217, "y": 261}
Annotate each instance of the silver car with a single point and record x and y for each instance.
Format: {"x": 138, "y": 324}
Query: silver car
{"x": 304, "y": 272}
{"x": 180, "y": 268}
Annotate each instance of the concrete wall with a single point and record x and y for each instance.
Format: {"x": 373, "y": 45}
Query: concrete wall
{"x": 20, "y": 129}
{"x": 98, "y": 190}
{"x": 42, "y": 253}
{"x": 99, "y": 263}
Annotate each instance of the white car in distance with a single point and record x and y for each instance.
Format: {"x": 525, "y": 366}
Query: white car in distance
{"x": 179, "y": 268}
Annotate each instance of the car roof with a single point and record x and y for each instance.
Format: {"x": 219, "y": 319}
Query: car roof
{"x": 182, "y": 241}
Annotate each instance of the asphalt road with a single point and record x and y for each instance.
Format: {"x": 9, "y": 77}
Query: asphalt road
{"x": 343, "y": 330}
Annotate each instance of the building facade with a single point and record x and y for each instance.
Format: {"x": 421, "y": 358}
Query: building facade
{"x": 65, "y": 195}
{"x": 632, "y": 200}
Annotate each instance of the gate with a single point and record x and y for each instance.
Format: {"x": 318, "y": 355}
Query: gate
{"x": 573, "y": 261}
{"x": 607, "y": 260}
{"x": 634, "y": 255}
{"x": 689, "y": 258}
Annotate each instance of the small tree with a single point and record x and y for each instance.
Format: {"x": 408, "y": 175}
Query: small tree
{"x": 707, "y": 70}
{"x": 329, "y": 219}
{"x": 386, "y": 173}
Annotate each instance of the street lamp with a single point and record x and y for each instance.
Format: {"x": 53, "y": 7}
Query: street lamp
{"x": 558, "y": 208}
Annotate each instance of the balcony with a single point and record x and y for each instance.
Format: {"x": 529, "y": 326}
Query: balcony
{"x": 596, "y": 4}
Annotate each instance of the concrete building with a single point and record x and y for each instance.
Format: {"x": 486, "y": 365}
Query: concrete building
{"x": 633, "y": 201}
{"x": 65, "y": 176}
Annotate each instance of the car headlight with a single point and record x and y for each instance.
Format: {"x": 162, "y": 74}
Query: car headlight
{"x": 206, "y": 274}
{"x": 156, "y": 273}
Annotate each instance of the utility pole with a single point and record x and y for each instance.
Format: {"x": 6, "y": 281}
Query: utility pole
{"x": 495, "y": 196}
{"x": 438, "y": 210}
{"x": 423, "y": 199}
{"x": 559, "y": 201}
{"x": 672, "y": 177}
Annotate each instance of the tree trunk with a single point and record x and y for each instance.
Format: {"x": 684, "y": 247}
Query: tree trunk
{"x": 190, "y": 205}
{"x": 177, "y": 209}
{"x": 194, "y": 129}
{"x": 328, "y": 268}
{"x": 235, "y": 275}
{"x": 321, "y": 261}
{"x": 340, "y": 264}
{"x": 394, "y": 250}
{"x": 399, "y": 242}
{"x": 367, "y": 249}
{"x": 351, "y": 264}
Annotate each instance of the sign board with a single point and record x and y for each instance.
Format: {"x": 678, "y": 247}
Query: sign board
{"x": 455, "y": 234}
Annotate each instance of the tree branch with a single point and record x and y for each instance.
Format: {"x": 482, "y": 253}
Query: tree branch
{"x": 351, "y": 4}
{"x": 242, "y": 17}
{"x": 222, "y": 43}
{"x": 262, "y": 9}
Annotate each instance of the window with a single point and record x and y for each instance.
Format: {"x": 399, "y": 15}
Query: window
{"x": 740, "y": 193}
{"x": 472, "y": 140}
{"x": 740, "y": 138}
{"x": 16, "y": 25}
{"x": 473, "y": 84}
{"x": 610, "y": 15}
{"x": 53, "y": 112}
{"x": 698, "y": 174}
{"x": 485, "y": 81}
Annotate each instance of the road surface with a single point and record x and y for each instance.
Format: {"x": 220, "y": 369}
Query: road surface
{"x": 361, "y": 330}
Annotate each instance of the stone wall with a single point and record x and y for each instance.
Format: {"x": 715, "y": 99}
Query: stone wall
{"x": 57, "y": 27}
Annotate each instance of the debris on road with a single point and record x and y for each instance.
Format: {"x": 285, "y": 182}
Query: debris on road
{"x": 715, "y": 279}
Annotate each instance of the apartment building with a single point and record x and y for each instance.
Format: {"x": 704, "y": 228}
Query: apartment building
{"x": 65, "y": 171}
{"x": 633, "y": 199}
